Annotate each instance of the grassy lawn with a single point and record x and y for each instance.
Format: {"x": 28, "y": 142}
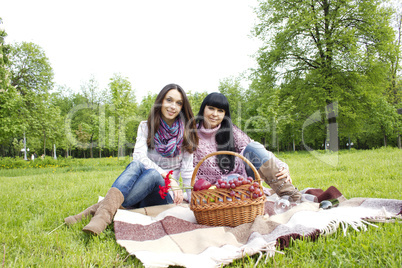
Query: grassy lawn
{"x": 36, "y": 196}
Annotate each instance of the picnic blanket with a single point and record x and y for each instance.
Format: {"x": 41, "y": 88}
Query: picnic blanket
{"x": 161, "y": 236}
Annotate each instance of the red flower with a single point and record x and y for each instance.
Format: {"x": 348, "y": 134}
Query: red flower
{"x": 163, "y": 190}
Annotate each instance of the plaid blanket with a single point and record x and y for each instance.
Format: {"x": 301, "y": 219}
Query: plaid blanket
{"x": 161, "y": 236}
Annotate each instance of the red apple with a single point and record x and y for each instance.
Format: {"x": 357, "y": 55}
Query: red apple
{"x": 201, "y": 184}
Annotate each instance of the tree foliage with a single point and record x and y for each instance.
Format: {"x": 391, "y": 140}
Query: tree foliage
{"x": 317, "y": 53}
{"x": 30, "y": 68}
{"x": 32, "y": 76}
{"x": 232, "y": 89}
{"x": 394, "y": 90}
{"x": 322, "y": 63}
{"x": 122, "y": 109}
{"x": 10, "y": 100}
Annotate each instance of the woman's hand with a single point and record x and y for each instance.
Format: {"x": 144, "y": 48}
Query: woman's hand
{"x": 284, "y": 175}
{"x": 178, "y": 194}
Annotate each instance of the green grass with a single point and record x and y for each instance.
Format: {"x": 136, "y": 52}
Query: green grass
{"x": 36, "y": 196}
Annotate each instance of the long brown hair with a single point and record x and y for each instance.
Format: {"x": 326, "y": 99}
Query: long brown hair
{"x": 190, "y": 137}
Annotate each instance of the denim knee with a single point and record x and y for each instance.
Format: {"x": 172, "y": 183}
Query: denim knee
{"x": 128, "y": 177}
{"x": 135, "y": 165}
{"x": 256, "y": 153}
{"x": 155, "y": 176}
{"x": 255, "y": 147}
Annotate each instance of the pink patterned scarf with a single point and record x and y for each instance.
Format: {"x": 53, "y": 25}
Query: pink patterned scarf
{"x": 168, "y": 139}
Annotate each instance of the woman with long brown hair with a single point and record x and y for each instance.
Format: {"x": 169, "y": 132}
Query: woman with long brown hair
{"x": 165, "y": 142}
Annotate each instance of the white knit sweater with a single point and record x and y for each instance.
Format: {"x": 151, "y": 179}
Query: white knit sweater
{"x": 181, "y": 164}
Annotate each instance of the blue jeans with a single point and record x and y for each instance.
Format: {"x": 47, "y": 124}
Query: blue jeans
{"x": 256, "y": 153}
{"x": 140, "y": 186}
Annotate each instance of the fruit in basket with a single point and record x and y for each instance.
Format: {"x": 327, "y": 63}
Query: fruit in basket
{"x": 212, "y": 198}
{"x": 231, "y": 182}
{"x": 201, "y": 184}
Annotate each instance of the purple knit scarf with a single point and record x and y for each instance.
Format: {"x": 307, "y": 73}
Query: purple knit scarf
{"x": 168, "y": 139}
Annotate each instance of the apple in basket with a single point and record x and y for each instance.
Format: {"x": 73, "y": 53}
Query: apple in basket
{"x": 201, "y": 184}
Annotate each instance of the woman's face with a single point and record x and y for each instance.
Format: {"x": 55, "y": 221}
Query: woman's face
{"x": 213, "y": 116}
{"x": 171, "y": 106}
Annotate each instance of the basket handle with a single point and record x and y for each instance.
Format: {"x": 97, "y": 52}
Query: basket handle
{"x": 257, "y": 176}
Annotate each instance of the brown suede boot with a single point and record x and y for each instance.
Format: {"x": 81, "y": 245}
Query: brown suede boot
{"x": 105, "y": 213}
{"x": 76, "y": 218}
{"x": 268, "y": 172}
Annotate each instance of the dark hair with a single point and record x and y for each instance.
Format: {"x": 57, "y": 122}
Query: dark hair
{"x": 224, "y": 136}
{"x": 190, "y": 138}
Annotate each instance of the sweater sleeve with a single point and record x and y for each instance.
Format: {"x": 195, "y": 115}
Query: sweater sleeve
{"x": 186, "y": 171}
{"x": 241, "y": 139}
{"x": 141, "y": 148}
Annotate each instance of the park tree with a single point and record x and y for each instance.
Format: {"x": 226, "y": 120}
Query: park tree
{"x": 32, "y": 76}
{"x": 234, "y": 92}
{"x": 122, "y": 108}
{"x": 31, "y": 70}
{"x": 10, "y": 100}
{"x": 70, "y": 105}
{"x": 146, "y": 105}
{"x": 83, "y": 137}
{"x": 325, "y": 50}
{"x": 50, "y": 124}
{"x": 267, "y": 116}
{"x": 383, "y": 117}
{"x": 395, "y": 88}
{"x": 195, "y": 99}
{"x": 91, "y": 93}
{"x": 394, "y": 94}
{"x": 259, "y": 93}
{"x": 64, "y": 98}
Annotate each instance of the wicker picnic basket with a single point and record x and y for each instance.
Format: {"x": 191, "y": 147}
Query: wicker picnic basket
{"x": 216, "y": 207}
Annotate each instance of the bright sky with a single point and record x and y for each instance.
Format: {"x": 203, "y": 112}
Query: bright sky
{"x": 192, "y": 43}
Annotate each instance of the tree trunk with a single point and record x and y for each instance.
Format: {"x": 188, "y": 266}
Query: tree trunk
{"x": 399, "y": 140}
{"x": 120, "y": 152}
{"x": 333, "y": 134}
{"x": 277, "y": 145}
{"x": 44, "y": 142}
{"x": 90, "y": 147}
{"x": 332, "y": 113}
{"x": 385, "y": 140}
